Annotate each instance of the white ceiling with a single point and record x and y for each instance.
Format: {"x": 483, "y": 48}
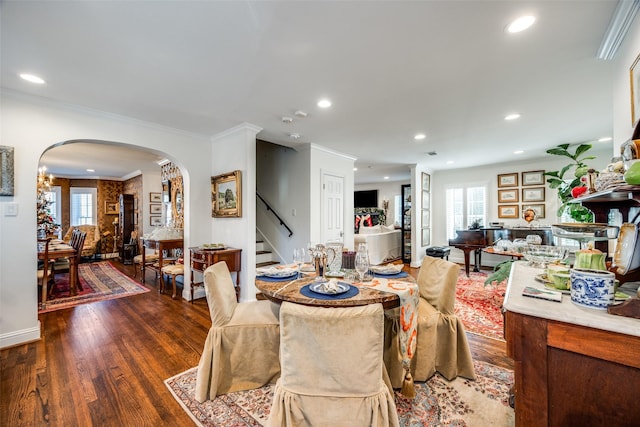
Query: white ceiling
{"x": 391, "y": 68}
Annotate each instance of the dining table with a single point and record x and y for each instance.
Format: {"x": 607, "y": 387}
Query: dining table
{"x": 395, "y": 291}
{"x": 60, "y": 249}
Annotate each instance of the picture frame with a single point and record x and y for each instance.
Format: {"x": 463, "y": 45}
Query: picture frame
{"x": 508, "y": 196}
{"x": 155, "y": 209}
{"x": 532, "y": 178}
{"x": 426, "y": 181}
{"x": 155, "y": 221}
{"x": 6, "y": 171}
{"x": 539, "y": 209}
{"x": 634, "y": 78}
{"x": 426, "y": 237}
{"x": 508, "y": 211}
{"x": 508, "y": 180}
{"x": 111, "y": 208}
{"x": 226, "y": 195}
{"x": 533, "y": 194}
{"x": 155, "y": 197}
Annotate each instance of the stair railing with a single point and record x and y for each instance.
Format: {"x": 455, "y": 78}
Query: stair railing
{"x": 269, "y": 208}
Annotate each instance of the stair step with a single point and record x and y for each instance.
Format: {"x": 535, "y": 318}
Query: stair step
{"x": 266, "y": 264}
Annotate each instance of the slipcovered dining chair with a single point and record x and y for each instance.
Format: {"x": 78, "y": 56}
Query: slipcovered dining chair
{"x": 241, "y": 350}
{"x": 332, "y": 370}
{"x": 442, "y": 342}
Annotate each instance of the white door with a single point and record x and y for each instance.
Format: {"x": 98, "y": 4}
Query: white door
{"x": 332, "y": 207}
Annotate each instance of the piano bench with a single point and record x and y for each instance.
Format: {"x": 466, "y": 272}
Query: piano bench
{"x": 439, "y": 252}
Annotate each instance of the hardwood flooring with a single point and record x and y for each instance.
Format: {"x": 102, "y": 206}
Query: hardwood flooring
{"x": 103, "y": 364}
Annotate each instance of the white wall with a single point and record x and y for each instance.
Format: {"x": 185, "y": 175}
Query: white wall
{"x": 32, "y": 125}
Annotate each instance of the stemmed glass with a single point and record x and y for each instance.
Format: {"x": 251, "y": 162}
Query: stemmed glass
{"x": 362, "y": 264}
{"x": 298, "y": 259}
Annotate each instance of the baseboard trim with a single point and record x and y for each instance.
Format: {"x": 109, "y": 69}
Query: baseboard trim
{"x": 23, "y": 336}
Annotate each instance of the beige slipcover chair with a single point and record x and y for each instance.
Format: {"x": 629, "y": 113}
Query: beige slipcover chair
{"x": 241, "y": 350}
{"x": 332, "y": 370}
{"x": 442, "y": 343}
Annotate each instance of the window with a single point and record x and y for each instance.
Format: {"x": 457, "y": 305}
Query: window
{"x": 397, "y": 210}
{"x": 83, "y": 206}
{"x": 465, "y": 205}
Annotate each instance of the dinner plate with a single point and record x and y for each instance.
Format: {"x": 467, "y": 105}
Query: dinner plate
{"x": 319, "y": 288}
{"x": 281, "y": 275}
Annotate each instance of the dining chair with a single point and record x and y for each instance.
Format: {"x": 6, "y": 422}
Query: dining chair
{"x": 43, "y": 269}
{"x": 241, "y": 349}
{"x": 63, "y": 265}
{"x": 441, "y": 341}
{"x": 332, "y": 369}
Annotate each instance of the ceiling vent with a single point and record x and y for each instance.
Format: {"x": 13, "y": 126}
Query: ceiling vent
{"x": 287, "y": 120}
{"x": 432, "y": 153}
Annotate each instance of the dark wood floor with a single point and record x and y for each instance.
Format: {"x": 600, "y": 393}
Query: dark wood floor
{"x": 103, "y": 364}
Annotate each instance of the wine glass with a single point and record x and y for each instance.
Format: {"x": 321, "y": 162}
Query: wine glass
{"x": 298, "y": 259}
{"x": 362, "y": 264}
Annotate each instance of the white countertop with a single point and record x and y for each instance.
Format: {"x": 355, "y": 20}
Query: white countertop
{"x": 522, "y": 275}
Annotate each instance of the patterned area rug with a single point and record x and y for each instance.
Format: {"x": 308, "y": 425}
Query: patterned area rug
{"x": 438, "y": 402}
{"x": 479, "y": 306}
{"x": 100, "y": 281}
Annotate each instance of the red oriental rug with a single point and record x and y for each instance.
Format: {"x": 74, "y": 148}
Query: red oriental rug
{"x": 100, "y": 281}
{"x": 479, "y": 306}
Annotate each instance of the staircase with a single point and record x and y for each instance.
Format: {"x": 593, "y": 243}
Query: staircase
{"x": 264, "y": 256}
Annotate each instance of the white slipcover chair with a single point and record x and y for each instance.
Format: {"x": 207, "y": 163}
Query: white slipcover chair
{"x": 442, "y": 342}
{"x": 241, "y": 350}
{"x": 332, "y": 370}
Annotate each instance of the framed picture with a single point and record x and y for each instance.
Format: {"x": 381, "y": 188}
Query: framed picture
{"x": 538, "y": 209}
{"x": 426, "y": 181}
{"x": 155, "y": 221}
{"x": 634, "y": 77}
{"x": 535, "y": 194}
{"x": 155, "y": 197}
{"x": 6, "y": 170}
{"x": 507, "y": 211}
{"x": 135, "y": 218}
{"x": 426, "y": 237}
{"x": 533, "y": 178}
{"x": 426, "y": 217}
{"x": 508, "y": 180}
{"x": 226, "y": 195}
{"x": 508, "y": 196}
{"x": 155, "y": 209}
{"x": 111, "y": 208}
{"x": 166, "y": 191}
{"x": 135, "y": 204}
{"x": 426, "y": 199}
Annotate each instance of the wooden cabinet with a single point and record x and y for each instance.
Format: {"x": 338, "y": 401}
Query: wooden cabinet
{"x": 573, "y": 366}
{"x": 203, "y": 258}
{"x": 125, "y": 226}
{"x": 406, "y": 223}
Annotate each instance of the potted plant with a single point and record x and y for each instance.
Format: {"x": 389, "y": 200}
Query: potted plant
{"x": 571, "y": 186}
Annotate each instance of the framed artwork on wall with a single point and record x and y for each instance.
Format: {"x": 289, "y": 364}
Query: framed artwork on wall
{"x": 155, "y": 221}
{"x": 226, "y": 195}
{"x": 111, "y": 208}
{"x": 155, "y": 197}
{"x": 426, "y": 209}
{"x": 533, "y": 178}
{"x": 155, "y": 209}
{"x": 537, "y": 208}
{"x": 508, "y": 180}
{"x": 508, "y": 196}
{"x": 6, "y": 170}
{"x": 507, "y": 211}
{"x": 534, "y": 194}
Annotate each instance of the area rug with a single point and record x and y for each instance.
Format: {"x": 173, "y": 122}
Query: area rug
{"x": 438, "y": 402}
{"x": 479, "y": 306}
{"x": 100, "y": 281}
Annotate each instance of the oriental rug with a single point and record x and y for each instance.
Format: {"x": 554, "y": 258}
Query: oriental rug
{"x": 438, "y": 402}
{"x": 479, "y": 306}
{"x": 100, "y": 281}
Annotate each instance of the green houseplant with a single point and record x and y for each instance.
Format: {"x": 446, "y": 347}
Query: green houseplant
{"x": 570, "y": 186}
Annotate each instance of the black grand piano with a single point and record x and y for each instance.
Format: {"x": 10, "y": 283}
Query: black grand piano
{"x": 475, "y": 240}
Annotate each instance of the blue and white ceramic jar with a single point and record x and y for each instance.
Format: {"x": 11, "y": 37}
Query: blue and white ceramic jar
{"x": 592, "y": 288}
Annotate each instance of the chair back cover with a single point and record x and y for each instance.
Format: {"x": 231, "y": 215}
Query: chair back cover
{"x": 221, "y": 294}
{"x": 437, "y": 280}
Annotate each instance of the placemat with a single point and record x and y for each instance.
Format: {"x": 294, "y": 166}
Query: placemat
{"x": 353, "y": 291}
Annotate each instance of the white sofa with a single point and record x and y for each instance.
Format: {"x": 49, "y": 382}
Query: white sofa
{"x": 384, "y": 243}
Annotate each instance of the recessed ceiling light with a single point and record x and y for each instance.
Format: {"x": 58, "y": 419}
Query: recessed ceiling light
{"x": 295, "y": 136}
{"x": 31, "y": 78}
{"x": 324, "y": 103}
{"x": 355, "y": 169}
{"x": 521, "y": 24}
{"x": 450, "y": 162}
{"x": 386, "y": 177}
{"x": 91, "y": 170}
{"x": 420, "y": 136}
{"x": 513, "y": 116}
{"x": 518, "y": 152}
{"x": 605, "y": 139}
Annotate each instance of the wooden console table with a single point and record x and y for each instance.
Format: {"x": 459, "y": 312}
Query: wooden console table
{"x": 160, "y": 246}
{"x": 573, "y": 365}
{"x": 202, "y": 258}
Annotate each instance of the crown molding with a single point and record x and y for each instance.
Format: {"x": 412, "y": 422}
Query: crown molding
{"x": 618, "y": 27}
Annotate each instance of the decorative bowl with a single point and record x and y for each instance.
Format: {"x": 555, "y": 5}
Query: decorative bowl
{"x": 541, "y": 255}
{"x": 583, "y": 231}
{"x": 592, "y": 288}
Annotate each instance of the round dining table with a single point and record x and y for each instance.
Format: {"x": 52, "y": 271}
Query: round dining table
{"x": 278, "y": 291}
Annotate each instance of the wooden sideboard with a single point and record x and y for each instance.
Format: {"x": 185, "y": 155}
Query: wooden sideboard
{"x": 573, "y": 365}
{"x": 202, "y": 258}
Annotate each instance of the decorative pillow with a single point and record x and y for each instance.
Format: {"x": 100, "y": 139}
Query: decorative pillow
{"x": 387, "y": 228}
{"x": 371, "y": 230}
